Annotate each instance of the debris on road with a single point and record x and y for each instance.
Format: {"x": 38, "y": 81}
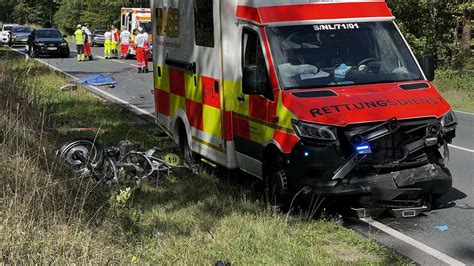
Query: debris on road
{"x": 99, "y": 80}
{"x": 441, "y": 228}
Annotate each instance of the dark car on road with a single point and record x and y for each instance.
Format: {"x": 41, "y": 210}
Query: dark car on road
{"x": 98, "y": 37}
{"x": 48, "y": 41}
{"x": 19, "y": 35}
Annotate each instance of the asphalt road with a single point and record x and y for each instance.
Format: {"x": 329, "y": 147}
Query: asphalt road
{"x": 132, "y": 87}
{"x": 455, "y": 210}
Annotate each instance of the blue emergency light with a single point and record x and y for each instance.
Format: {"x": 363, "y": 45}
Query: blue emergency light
{"x": 363, "y": 148}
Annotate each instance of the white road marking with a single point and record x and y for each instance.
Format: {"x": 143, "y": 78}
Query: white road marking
{"x": 462, "y": 112}
{"x": 416, "y": 244}
{"x": 118, "y": 61}
{"x": 461, "y": 148}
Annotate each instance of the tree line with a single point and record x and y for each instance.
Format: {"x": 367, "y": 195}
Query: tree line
{"x": 438, "y": 27}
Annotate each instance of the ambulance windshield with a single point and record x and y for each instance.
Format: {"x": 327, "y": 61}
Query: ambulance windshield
{"x": 332, "y": 55}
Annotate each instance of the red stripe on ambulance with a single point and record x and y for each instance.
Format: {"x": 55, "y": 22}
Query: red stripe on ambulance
{"x": 194, "y": 113}
{"x": 285, "y": 140}
{"x": 241, "y": 127}
{"x": 162, "y": 98}
{"x": 229, "y": 136}
{"x": 210, "y": 93}
{"x": 250, "y": 13}
{"x": 177, "y": 85}
{"x": 286, "y": 13}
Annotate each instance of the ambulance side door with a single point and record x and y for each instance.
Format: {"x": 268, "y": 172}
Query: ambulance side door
{"x": 250, "y": 131}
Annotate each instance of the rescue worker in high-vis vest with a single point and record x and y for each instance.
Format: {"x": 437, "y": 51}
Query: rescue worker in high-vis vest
{"x": 115, "y": 42}
{"x": 108, "y": 44}
{"x": 80, "y": 38}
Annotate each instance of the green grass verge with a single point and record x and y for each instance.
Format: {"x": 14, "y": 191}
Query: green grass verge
{"x": 458, "y": 87}
{"x": 51, "y": 216}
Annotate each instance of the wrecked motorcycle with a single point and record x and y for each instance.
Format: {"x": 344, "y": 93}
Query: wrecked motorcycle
{"x": 115, "y": 164}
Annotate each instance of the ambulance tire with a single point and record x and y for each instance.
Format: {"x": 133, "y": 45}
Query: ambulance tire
{"x": 185, "y": 148}
{"x": 276, "y": 183}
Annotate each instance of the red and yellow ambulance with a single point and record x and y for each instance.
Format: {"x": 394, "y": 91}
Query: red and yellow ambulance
{"x": 323, "y": 96}
{"x": 133, "y": 18}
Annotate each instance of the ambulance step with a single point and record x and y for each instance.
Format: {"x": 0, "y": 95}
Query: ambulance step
{"x": 213, "y": 165}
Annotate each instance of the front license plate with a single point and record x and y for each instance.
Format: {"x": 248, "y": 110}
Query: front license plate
{"x": 52, "y": 48}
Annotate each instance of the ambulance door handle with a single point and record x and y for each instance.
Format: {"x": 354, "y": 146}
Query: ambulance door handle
{"x": 241, "y": 99}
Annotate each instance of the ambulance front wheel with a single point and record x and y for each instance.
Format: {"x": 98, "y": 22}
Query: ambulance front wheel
{"x": 276, "y": 183}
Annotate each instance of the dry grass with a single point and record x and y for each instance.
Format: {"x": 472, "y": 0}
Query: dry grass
{"x": 50, "y": 216}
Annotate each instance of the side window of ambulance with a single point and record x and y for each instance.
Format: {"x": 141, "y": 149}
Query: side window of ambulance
{"x": 204, "y": 23}
{"x": 253, "y": 55}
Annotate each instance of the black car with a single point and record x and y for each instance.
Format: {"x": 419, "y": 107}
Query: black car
{"x": 48, "y": 41}
{"x": 19, "y": 35}
{"x": 98, "y": 37}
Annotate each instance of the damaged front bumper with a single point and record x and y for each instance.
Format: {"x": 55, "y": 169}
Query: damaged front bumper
{"x": 393, "y": 189}
{"x": 399, "y": 166}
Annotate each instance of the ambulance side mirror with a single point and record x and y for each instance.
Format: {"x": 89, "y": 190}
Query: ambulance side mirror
{"x": 254, "y": 80}
{"x": 427, "y": 64}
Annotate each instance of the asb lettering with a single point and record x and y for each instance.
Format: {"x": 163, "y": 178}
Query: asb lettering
{"x": 167, "y": 22}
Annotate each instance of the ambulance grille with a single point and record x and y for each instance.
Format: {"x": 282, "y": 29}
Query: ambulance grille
{"x": 390, "y": 152}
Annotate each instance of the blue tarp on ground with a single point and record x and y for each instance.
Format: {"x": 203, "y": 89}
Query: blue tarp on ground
{"x": 98, "y": 80}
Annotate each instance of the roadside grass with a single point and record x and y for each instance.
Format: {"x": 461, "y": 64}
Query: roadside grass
{"x": 49, "y": 215}
{"x": 458, "y": 87}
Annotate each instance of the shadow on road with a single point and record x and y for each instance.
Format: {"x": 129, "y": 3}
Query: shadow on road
{"x": 465, "y": 252}
{"x": 448, "y": 200}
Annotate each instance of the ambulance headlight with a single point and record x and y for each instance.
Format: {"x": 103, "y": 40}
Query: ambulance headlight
{"x": 312, "y": 131}
{"x": 449, "y": 120}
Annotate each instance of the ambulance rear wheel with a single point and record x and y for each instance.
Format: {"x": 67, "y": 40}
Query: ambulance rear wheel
{"x": 185, "y": 148}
